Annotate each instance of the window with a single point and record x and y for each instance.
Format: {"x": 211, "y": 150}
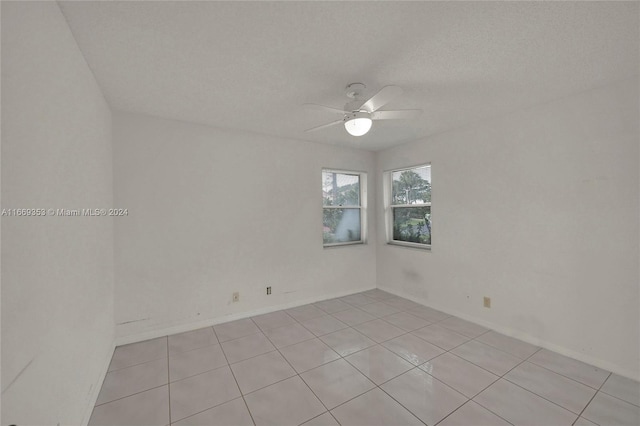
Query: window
{"x": 342, "y": 207}
{"x": 409, "y": 206}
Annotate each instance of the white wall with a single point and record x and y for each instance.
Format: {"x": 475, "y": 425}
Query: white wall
{"x": 539, "y": 211}
{"x": 57, "y": 272}
{"x": 212, "y": 212}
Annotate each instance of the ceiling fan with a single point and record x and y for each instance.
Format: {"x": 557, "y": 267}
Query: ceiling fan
{"x": 358, "y": 115}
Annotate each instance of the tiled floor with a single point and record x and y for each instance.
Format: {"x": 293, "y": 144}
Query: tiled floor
{"x": 365, "y": 359}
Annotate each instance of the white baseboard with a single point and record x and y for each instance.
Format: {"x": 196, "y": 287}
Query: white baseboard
{"x": 517, "y": 334}
{"x": 168, "y": 329}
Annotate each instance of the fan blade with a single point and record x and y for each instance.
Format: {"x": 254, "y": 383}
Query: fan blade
{"x": 385, "y": 95}
{"x": 324, "y": 108}
{"x": 396, "y": 115}
{"x": 333, "y": 123}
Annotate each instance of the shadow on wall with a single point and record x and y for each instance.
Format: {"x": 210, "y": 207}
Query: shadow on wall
{"x": 411, "y": 275}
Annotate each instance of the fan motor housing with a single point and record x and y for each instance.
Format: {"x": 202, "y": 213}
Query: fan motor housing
{"x": 356, "y": 114}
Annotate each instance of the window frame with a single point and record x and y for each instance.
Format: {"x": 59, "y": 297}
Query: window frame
{"x": 362, "y": 177}
{"x": 389, "y": 206}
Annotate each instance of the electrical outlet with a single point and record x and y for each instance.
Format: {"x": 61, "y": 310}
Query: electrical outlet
{"x": 269, "y": 290}
{"x": 487, "y": 302}
{"x": 236, "y": 297}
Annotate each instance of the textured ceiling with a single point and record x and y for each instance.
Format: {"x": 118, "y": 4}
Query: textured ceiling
{"x": 252, "y": 65}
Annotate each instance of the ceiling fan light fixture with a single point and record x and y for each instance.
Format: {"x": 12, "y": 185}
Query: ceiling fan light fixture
{"x": 357, "y": 117}
{"x": 358, "y": 123}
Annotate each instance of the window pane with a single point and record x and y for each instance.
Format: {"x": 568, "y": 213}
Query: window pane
{"x": 411, "y": 186}
{"x": 340, "y": 189}
{"x": 412, "y": 224}
{"x": 341, "y": 225}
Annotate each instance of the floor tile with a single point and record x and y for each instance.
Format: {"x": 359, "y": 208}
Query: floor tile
{"x": 584, "y": 422}
{"x": 426, "y": 397}
{"x": 303, "y": 313}
{"x": 567, "y": 393}
{"x": 198, "y": 393}
{"x": 402, "y": 303}
{"x": 196, "y": 361}
{"x": 622, "y": 388}
{"x": 336, "y": 382}
{"x": 412, "y": 348}
{"x": 487, "y": 357}
{"x": 383, "y": 338}
{"x": 332, "y": 306}
{"x": 288, "y": 335}
{"x": 521, "y": 407}
{"x": 246, "y": 347}
{"x": 263, "y": 370}
{"x": 289, "y": 402}
{"x": 323, "y": 325}
{"x": 515, "y": 347}
{"x": 607, "y": 410}
{"x": 379, "y": 330}
{"x": 192, "y": 340}
{"x": 325, "y": 419}
{"x": 142, "y": 409}
{"x": 394, "y": 298}
{"x": 473, "y": 414}
{"x": 463, "y": 376}
{"x": 137, "y": 353}
{"x": 128, "y": 381}
{"x": 440, "y": 336}
{"x": 235, "y": 329}
{"x": 378, "y": 294}
{"x": 374, "y": 408}
{"x": 406, "y": 321}
{"x": 429, "y": 314}
{"x": 379, "y": 364}
{"x": 347, "y": 341}
{"x": 573, "y": 369}
{"x": 463, "y": 327}
{"x": 353, "y": 316}
{"x": 379, "y": 309}
{"x": 308, "y": 354}
{"x": 230, "y": 413}
{"x": 273, "y": 320}
{"x": 357, "y": 299}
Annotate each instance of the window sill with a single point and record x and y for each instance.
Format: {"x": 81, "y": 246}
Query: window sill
{"x": 415, "y": 246}
{"x": 334, "y": 245}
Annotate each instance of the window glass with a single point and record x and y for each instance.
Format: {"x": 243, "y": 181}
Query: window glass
{"x": 342, "y": 207}
{"x": 410, "y": 206}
